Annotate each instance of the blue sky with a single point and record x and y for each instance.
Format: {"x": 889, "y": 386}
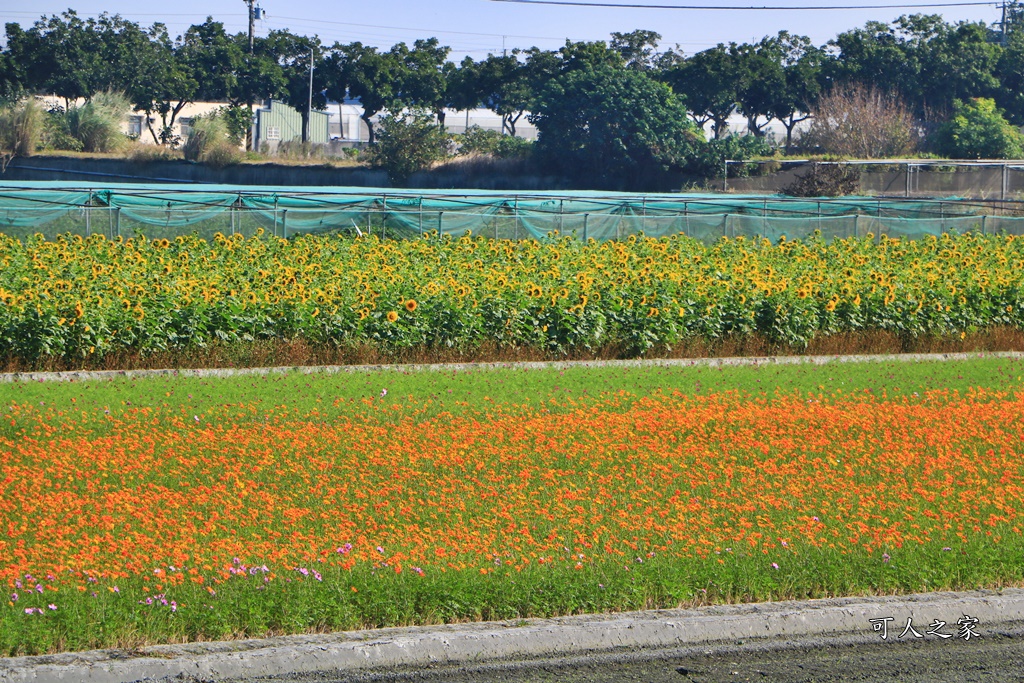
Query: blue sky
{"x": 476, "y": 27}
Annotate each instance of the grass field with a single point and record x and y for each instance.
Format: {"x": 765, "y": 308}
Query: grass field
{"x": 168, "y": 508}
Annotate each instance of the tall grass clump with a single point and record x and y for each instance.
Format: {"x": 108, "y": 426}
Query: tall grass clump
{"x": 21, "y": 125}
{"x": 97, "y": 123}
{"x": 210, "y": 143}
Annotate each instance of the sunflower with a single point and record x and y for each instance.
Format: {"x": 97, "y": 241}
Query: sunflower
{"x": 410, "y": 305}
{"x": 392, "y": 316}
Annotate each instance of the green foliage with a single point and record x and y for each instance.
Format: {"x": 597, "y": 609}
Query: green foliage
{"x": 408, "y": 143}
{"x": 978, "y": 130}
{"x": 477, "y": 140}
{"x": 57, "y": 132}
{"x": 708, "y": 160}
{"x": 617, "y": 126}
{"x": 238, "y": 120}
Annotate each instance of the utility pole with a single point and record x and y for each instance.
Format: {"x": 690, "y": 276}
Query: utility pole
{"x": 309, "y": 111}
{"x": 250, "y": 143}
{"x": 1003, "y": 26}
{"x": 252, "y": 21}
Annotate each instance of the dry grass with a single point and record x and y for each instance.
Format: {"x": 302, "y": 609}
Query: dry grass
{"x": 298, "y": 352}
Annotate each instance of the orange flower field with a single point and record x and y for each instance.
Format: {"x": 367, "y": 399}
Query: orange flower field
{"x": 163, "y": 524}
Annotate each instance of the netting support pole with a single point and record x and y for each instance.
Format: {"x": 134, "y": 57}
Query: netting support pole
{"x": 275, "y": 216}
{"x": 515, "y": 214}
{"x": 586, "y": 218}
{"x": 110, "y": 221}
{"x": 117, "y": 222}
{"x": 88, "y": 215}
{"x": 384, "y": 220}
{"x": 764, "y": 220}
{"x": 1005, "y": 184}
{"x": 284, "y": 223}
{"x": 421, "y": 216}
{"x": 440, "y": 217}
{"x": 561, "y": 216}
{"x": 686, "y": 219}
{"x": 983, "y": 217}
{"x": 906, "y": 191}
{"x": 643, "y": 215}
{"x": 856, "y": 225}
{"x": 231, "y": 211}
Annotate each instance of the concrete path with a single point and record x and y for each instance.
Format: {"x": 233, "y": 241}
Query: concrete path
{"x": 383, "y": 649}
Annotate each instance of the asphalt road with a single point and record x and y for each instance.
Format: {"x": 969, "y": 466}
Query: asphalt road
{"x": 996, "y": 656}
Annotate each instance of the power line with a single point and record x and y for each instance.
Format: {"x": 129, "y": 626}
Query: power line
{"x": 406, "y": 28}
{"x": 568, "y": 3}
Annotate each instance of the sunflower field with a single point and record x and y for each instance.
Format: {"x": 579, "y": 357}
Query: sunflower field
{"x": 80, "y": 298}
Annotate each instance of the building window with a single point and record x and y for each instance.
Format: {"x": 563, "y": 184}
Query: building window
{"x": 273, "y": 132}
{"x": 186, "y": 126}
{"x": 135, "y": 126}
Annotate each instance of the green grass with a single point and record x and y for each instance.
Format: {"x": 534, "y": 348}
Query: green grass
{"x": 459, "y": 391}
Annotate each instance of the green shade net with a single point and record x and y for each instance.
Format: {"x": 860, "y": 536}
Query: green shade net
{"x": 166, "y": 211}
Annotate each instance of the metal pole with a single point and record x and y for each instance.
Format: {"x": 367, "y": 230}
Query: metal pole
{"x": 586, "y": 218}
{"x": 983, "y": 217}
{"x": 440, "y": 216}
{"x": 421, "y": 216}
{"x": 515, "y": 211}
{"x": 284, "y": 223}
{"x": 275, "y": 216}
{"x": 643, "y": 215}
{"x": 725, "y": 176}
{"x": 686, "y": 219}
{"x": 1006, "y": 179}
{"x": 117, "y": 222}
{"x": 384, "y": 219}
{"x": 906, "y": 191}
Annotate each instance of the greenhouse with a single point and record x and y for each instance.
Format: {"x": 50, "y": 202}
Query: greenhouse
{"x": 166, "y": 211}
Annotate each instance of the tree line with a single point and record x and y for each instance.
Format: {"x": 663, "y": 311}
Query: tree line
{"x": 626, "y": 101}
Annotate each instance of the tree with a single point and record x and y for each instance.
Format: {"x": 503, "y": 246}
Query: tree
{"x": 619, "y": 126}
{"x": 59, "y": 55}
{"x": 978, "y": 130}
{"x": 762, "y": 81}
{"x": 424, "y": 78}
{"x": 296, "y": 55}
{"x": 802, "y": 69}
{"x": 169, "y": 85}
{"x": 638, "y": 49}
{"x": 373, "y": 77}
{"x": 501, "y": 83}
{"x": 861, "y": 122}
{"x": 709, "y": 83}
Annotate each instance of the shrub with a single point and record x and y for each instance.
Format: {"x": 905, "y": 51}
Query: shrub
{"x": 477, "y": 140}
{"x": 56, "y": 132}
{"x": 978, "y": 130}
{"x": 210, "y": 142}
{"x": 21, "y": 125}
{"x": 97, "y": 123}
{"x": 825, "y": 180}
{"x": 861, "y": 122}
{"x": 408, "y": 143}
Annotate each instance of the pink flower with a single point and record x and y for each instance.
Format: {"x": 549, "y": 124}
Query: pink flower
{"x": 53, "y": 607}
{"x": 774, "y": 566}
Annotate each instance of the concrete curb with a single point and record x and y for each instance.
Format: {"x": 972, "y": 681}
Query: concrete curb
{"x": 566, "y": 636}
{"x": 103, "y": 375}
